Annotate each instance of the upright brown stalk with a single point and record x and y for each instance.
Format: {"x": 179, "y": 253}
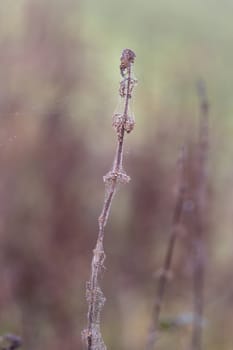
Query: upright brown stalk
{"x": 165, "y": 272}
{"x": 199, "y": 221}
{"x": 122, "y": 122}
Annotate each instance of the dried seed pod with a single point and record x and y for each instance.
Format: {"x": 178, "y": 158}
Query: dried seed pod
{"x": 127, "y": 57}
{"x": 129, "y": 124}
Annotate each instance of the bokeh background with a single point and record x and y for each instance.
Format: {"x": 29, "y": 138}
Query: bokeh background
{"x": 59, "y": 76}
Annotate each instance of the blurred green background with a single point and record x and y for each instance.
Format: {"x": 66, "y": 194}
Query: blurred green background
{"x": 59, "y": 74}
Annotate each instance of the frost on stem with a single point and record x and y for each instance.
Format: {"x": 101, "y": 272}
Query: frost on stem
{"x": 123, "y": 121}
{"x": 112, "y": 179}
{"x": 93, "y": 336}
{"x": 116, "y": 176}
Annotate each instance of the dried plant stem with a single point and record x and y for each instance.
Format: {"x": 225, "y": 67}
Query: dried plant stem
{"x": 199, "y": 222}
{"x": 203, "y": 146}
{"x": 165, "y": 272}
{"x": 115, "y": 176}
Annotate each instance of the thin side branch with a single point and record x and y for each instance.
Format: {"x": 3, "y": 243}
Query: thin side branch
{"x": 122, "y": 122}
{"x": 166, "y": 269}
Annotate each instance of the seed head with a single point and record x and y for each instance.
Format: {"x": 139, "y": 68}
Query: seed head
{"x": 127, "y": 58}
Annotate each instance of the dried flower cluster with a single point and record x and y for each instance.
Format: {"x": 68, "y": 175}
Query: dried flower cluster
{"x": 123, "y": 119}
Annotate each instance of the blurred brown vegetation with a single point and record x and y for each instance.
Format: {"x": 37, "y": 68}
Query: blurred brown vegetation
{"x": 56, "y": 143}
